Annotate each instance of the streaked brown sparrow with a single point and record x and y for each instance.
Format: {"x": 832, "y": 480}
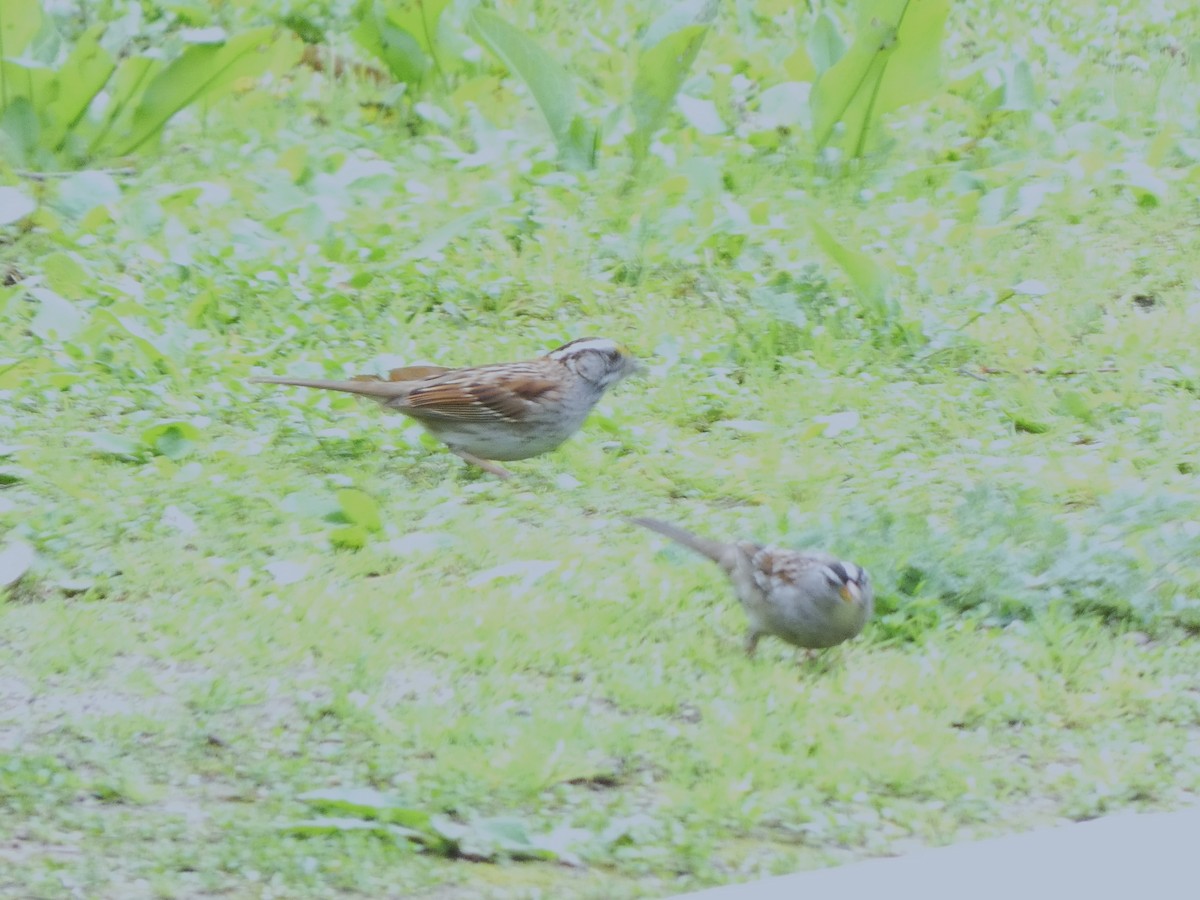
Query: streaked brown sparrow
{"x": 809, "y": 599}
{"x": 502, "y": 411}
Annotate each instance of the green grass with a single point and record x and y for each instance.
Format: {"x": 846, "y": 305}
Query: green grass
{"x": 190, "y": 653}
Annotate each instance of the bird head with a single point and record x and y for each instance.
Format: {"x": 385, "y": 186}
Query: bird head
{"x": 851, "y": 582}
{"x": 599, "y": 360}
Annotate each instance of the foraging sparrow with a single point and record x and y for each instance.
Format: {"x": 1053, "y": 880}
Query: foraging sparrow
{"x": 501, "y": 411}
{"x": 809, "y": 599}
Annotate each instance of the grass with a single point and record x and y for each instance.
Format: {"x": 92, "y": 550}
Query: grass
{"x": 1012, "y": 456}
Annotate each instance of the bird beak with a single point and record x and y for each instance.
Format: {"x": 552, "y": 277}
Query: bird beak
{"x": 851, "y": 592}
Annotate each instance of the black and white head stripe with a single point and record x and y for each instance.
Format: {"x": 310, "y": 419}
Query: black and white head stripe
{"x": 603, "y": 346}
{"x": 599, "y": 360}
{"x": 843, "y": 573}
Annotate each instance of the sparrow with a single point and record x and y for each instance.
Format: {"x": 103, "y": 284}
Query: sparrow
{"x": 502, "y": 411}
{"x": 808, "y": 598}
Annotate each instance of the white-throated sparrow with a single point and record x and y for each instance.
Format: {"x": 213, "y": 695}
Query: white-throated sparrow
{"x": 807, "y": 598}
{"x": 501, "y": 411}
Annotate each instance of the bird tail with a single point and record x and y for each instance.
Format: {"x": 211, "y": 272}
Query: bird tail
{"x": 724, "y": 555}
{"x": 366, "y": 386}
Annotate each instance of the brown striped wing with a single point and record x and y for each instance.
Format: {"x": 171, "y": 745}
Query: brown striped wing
{"x": 506, "y": 392}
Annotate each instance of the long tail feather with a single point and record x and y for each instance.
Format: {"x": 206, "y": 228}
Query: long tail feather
{"x": 722, "y": 554}
{"x": 383, "y": 390}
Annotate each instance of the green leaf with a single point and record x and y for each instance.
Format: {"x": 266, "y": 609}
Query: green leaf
{"x": 331, "y": 825}
{"x": 13, "y": 475}
{"x": 115, "y": 445}
{"x": 149, "y": 343}
{"x": 403, "y": 36}
{"x": 78, "y": 194}
{"x": 550, "y": 84}
{"x": 914, "y": 70}
{"x": 214, "y": 34}
{"x": 173, "y": 440}
{"x": 15, "y": 205}
{"x": 668, "y": 51}
{"x": 15, "y": 560}
{"x": 16, "y": 372}
{"x": 363, "y": 801}
{"x": 19, "y": 22}
{"x": 203, "y": 305}
{"x": 868, "y": 277}
{"x": 28, "y": 78}
{"x": 133, "y": 74}
{"x": 676, "y": 17}
{"x": 701, "y": 114}
{"x": 895, "y": 60}
{"x": 420, "y": 18}
{"x": 335, "y": 825}
{"x": 1075, "y": 404}
{"x": 782, "y": 105}
{"x": 201, "y": 70}
{"x": 489, "y": 838}
{"x": 1020, "y": 93}
{"x": 64, "y": 274}
{"x": 83, "y": 75}
{"x": 359, "y": 508}
{"x": 366, "y": 809}
{"x": 57, "y": 318}
{"x": 825, "y": 43}
{"x": 368, "y": 803}
{"x": 315, "y": 505}
{"x": 437, "y": 239}
{"x": 582, "y": 145}
{"x": 304, "y": 28}
{"x": 20, "y": 122}
{"x": 352, "y": 537}
{"x": 506, "y": 833}
{"x": 395, "y": 47}
{"x": 1024, "y": 422}
{"x": 1147, "y": 185}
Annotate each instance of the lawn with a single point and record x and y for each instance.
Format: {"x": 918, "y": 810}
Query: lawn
{"x": 257, "y": 641}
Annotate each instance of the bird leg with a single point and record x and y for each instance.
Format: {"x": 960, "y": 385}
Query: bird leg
{"x": 486, "y": 464}
{"x": 826, "y": 657}
{"x": 751, "y": 643}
